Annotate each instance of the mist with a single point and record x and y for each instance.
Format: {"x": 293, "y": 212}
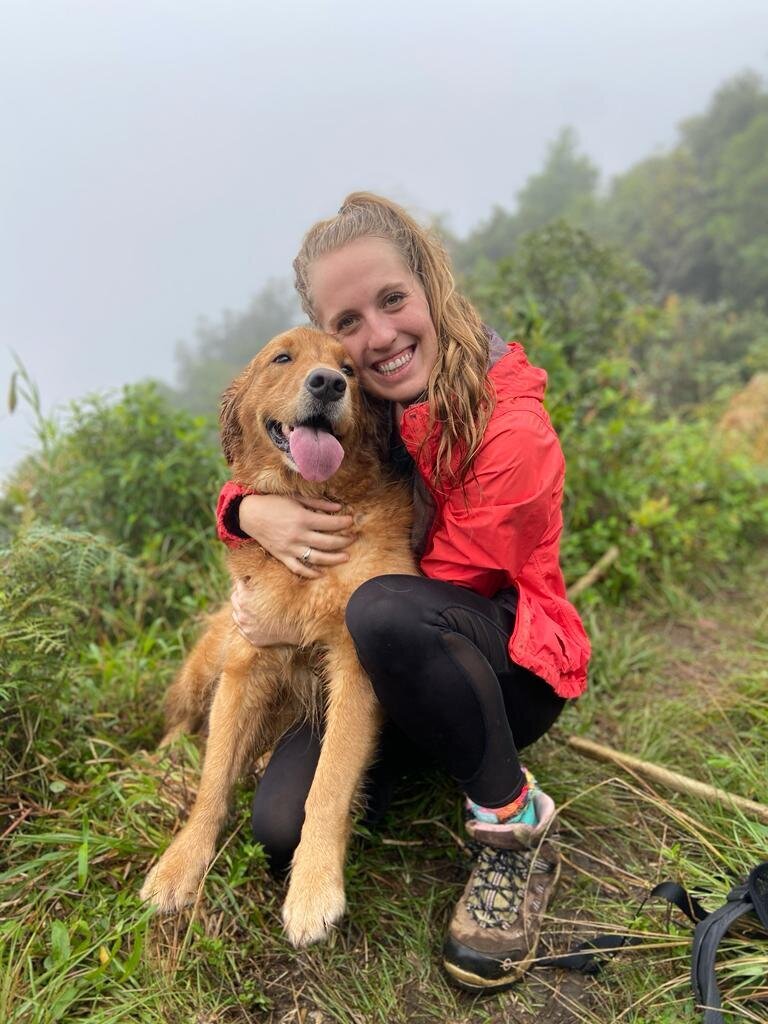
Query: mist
{"x": 162, "y": 160}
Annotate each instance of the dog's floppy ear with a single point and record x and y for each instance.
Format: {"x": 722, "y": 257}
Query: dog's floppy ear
{"x": 229, "y": 418}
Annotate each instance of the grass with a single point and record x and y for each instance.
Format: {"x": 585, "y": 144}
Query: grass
{"x": 680, "y": 677}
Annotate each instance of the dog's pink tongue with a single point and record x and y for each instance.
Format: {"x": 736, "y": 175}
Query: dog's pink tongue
{"x": 316, "y": 452}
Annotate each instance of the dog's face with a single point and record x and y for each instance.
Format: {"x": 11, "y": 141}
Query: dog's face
{"x": 297, "y": 406}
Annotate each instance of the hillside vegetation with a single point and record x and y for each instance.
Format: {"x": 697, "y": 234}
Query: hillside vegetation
{"x": 108, "y": 563}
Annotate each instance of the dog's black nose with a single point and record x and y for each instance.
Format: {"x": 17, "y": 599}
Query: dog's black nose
{"x": 326, "y": 385}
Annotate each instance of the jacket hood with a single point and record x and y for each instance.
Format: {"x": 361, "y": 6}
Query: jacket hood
{"x": 514, "y": 377}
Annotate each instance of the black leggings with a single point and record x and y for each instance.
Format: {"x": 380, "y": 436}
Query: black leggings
{"x": 437, "y": 657}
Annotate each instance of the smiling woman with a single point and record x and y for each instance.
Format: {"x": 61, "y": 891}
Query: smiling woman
{"x": 476, "y": 658}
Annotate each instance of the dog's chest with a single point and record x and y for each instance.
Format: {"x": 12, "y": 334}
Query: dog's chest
{"x": 280, "y": 598}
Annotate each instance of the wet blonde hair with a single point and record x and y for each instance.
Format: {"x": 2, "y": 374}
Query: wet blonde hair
{"x": 459, "y": 393}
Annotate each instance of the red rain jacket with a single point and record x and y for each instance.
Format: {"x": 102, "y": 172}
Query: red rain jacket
{"x": 506, "y": 533}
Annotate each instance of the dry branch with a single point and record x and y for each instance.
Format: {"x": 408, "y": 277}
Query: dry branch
{"x": 666, "y": 777}
{"x": 594, "y": 573}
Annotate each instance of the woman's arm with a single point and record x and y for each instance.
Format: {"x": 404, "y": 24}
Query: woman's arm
{"x": 484, "y": 541}
{"x": 286, "y": 527}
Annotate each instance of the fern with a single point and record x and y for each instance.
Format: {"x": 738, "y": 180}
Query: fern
{"x": 58, "y": 590}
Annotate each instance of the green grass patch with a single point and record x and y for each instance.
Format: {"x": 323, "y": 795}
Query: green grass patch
{"x": 679, "y": 679}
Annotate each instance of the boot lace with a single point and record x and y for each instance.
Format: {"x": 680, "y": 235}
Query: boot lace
{"x": 499, "y": 885}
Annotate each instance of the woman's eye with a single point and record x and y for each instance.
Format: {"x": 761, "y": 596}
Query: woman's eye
{"x": 394, "y": 298}
{"x": 344, "y": 323}
{"x": 348, "y": 371}
{"x": 282, "y": 358}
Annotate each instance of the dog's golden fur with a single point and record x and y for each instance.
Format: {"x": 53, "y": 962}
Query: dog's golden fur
{"x": 250, "y": 694}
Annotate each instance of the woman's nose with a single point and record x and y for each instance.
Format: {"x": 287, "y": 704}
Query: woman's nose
{"x": 381, "y": 332}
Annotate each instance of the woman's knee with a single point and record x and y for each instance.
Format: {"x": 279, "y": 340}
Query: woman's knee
{"x": 383, "y": 611}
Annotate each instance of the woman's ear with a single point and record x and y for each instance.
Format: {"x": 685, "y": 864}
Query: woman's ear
{"x": 229, "y": 419}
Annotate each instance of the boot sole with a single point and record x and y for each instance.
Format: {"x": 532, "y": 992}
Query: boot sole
{"x": 475, "y": 983}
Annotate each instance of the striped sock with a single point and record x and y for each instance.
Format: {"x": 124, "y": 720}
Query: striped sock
{"x": 521, "y": 810}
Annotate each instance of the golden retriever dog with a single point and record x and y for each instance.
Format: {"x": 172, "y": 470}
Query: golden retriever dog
{"x": 293, "y": 423}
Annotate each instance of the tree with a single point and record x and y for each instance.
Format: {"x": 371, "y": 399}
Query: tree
{"x": 734, "y": 106}
{"x": 658, "y": 211}
{"x": 563, "y": 189}
{"x": 562, "y": 277}
{"x": 696, "y": 216}
{"x": 739, "y": 227}
{"x": 492, "y": 240}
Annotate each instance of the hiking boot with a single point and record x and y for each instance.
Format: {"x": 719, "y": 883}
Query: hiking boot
{"x": 495, "y": 927}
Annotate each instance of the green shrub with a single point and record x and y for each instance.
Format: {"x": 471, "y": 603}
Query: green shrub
{"x": 109, "y": 536}
{"x": 60, "y": 591}
{"x": 137, "y": 471}
{"x": 669, "y": 494}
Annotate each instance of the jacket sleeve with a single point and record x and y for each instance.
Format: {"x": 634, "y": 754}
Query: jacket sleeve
{"x": 484, "y": 541}
{"x": 227, "y": 512}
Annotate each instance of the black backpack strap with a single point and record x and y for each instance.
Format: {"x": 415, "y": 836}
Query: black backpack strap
{"x": 706, "y": 939}
{"x": 682, "y": 899}
{"x": 757, "y": 883}
{"x": 584, "y": 957}
{"x": 752, "y": 897}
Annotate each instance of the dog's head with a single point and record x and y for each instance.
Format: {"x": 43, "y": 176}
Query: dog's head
{"x": 296, "y": 407}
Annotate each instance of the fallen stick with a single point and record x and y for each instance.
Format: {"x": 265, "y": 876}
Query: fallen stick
{"x": 672, "y": 780}
{"x": 594, "y": 573}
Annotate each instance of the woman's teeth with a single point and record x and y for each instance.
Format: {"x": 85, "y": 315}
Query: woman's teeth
{"x": 396, "y": 363}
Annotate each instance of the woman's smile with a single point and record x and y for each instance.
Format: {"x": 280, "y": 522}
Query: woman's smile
{"x": 391, "y": 367}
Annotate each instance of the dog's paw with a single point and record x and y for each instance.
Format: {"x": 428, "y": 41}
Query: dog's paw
{"x": 314, "y": 903}
{"x": 173, "y": 882}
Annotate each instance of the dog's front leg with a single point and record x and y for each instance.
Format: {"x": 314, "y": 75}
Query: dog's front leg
{"x": 315, "y": 898}
{"x": 243, "y": 700}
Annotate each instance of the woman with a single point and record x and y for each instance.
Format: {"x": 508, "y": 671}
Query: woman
{"x": 476, "y": 659}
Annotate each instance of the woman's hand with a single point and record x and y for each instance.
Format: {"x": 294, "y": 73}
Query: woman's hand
{"x": 248, "y": 624}
{"x": 288, "y": 527}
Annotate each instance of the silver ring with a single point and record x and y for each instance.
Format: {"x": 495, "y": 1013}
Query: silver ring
{"x": 305, "y": 557}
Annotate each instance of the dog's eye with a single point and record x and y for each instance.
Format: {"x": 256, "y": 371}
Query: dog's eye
{"x": 282, "y": 358}
{"x": 348, "y": 371}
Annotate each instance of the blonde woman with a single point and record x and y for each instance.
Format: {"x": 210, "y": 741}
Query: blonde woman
{"x": 474, "y": 660}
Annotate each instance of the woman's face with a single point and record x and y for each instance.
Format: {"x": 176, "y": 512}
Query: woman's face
{"x": 365, "y": 295}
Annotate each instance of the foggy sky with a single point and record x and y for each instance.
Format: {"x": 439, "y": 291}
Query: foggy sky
{"x": 160, "y": 161}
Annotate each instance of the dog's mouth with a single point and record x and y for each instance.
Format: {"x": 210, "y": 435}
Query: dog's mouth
{"x": 278, "y": 435}
{"x": 311, "y": 445}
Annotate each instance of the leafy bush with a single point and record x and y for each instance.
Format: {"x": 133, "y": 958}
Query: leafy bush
{"x": 137, "y": 471}
{"x": 670, "y": 494}
{"x": 570, "y": 293}
{"x": 689, "y": 355}
{"x": 640, "y": 475}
